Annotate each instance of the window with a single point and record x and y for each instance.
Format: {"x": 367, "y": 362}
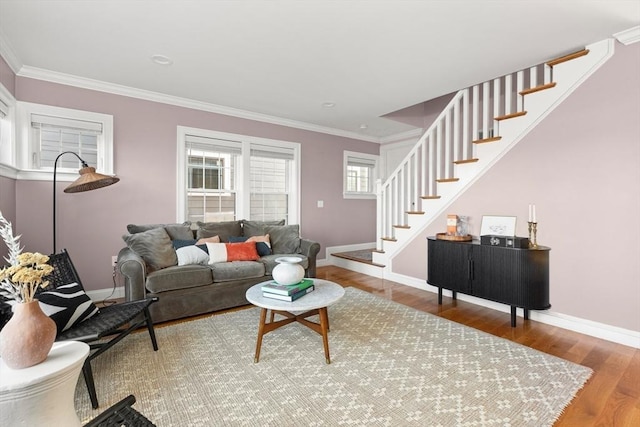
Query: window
{"x": 47, "y": 131}
{"x": 211, "y": 167}
{"x": 270, "y": 171}
{"x": 7, "y": 149}
{"x": 225, "y": 177}
{"x": 360, "y": 173}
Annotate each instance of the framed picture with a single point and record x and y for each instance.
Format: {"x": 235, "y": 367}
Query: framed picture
{"x": 498, "y": 225}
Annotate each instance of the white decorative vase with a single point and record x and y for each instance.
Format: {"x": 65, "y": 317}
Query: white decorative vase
{"x": 288, "y": 271}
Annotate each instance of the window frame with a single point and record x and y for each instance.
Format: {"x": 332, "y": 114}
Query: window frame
{"x": 243, "y": 182}
{"x": 7, "y": 134}
{"x": 26, "y": 139}
{"x": 366, "y": 158}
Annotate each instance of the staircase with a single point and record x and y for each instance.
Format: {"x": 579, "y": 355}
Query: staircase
{"x": 478, "y": 126}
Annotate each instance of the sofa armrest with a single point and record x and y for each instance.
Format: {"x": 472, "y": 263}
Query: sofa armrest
{"x": 310, "y": 249}
{"x": 134, "y": 271}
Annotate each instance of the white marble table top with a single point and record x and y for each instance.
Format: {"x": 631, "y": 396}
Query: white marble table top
{"x": 325, "y": 294}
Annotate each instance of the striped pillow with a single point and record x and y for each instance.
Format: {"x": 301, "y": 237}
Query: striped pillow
{"x": 67, "y": 305}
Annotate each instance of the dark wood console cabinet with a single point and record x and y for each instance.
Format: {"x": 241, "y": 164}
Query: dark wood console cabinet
{"x": 517, "y": 277}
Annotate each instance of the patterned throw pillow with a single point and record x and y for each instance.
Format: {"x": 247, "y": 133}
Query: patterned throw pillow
{"x": 67, "y": 305}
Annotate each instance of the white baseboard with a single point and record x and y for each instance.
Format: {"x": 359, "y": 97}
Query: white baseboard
{"x": 584, "y": 326}
{"x": 99, "y": 295}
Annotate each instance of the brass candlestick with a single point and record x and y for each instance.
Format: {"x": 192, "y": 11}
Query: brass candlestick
{"x": 533, "y": 230}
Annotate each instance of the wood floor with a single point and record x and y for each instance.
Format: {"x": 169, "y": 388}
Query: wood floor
{"x": 611, "y": 397}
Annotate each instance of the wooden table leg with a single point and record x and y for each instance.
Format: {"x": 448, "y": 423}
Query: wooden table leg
{"x": 324, "y": 326}
{"x": 263, "y": 318}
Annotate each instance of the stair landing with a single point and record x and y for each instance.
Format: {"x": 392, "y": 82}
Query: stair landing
{"x": 364, "y": 256}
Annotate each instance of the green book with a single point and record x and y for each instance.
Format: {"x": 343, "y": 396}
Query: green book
{"x": 291, "y": 297}
{"x": 274, "y": 288}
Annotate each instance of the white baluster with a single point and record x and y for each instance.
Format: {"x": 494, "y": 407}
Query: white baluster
{"x": 486, "y": 95}
{"x": 508, "y": 94}
{"x": 475, "y": 112}
{"x": 519, "y": 88}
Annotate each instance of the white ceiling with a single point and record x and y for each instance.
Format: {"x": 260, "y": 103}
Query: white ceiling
{"x": 285, "y": 58}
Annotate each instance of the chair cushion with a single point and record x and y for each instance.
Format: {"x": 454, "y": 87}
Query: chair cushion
{"x": 67, "y": 305}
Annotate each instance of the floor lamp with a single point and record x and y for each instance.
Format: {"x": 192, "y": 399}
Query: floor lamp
{"x": 89, "y": 180}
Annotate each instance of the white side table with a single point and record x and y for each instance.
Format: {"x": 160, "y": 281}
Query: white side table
{"x": 43, "y": 395}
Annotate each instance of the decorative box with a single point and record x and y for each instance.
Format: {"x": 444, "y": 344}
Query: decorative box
{"x": 505, "y": 241}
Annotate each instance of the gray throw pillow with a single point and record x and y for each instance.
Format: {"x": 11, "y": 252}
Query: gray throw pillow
{"x": 285, "y": 239}
{"x": 256, "y": 228}
{"x": 154, "y": 247}
{"x": 175, "y": 231}
{"x": 223, "y": 229}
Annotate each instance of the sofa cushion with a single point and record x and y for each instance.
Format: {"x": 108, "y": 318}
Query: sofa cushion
{"x": 227, "y": 252}
{"x": 154, "y": 247}
{"x": 256, "y": 228}
{"x": 237, "y": 270}
{"x": 179, "y": 277}
{"x": 223, "y": 229}
{"x": 269, "y": 261}
{"x": 175, "y": 231}
{"x": 263, "y": 245}
{"x": 285, "y": 239}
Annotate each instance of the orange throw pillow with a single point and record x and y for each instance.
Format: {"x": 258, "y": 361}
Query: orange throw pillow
{"x": 245, "y": 251}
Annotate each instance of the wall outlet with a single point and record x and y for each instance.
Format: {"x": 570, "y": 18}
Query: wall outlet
{"x": 114, "y": 260}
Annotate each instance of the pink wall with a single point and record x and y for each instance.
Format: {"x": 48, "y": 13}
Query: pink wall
{"x": 581, "y": 167}
{"x": 90, "y": 225}
{"x": 7, "y": 77}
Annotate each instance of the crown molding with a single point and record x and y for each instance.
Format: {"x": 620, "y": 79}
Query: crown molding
{"x": 9, "y": 56}
{"x": 631, "y": 35}
{"x": 115, "y": 89}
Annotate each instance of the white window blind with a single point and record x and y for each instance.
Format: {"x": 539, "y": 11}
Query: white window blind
{"x": 359, "y": 174}
{"x": 270, "y": 182}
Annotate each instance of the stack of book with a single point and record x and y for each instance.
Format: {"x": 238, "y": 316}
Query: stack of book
{"x": 287, "y": 292}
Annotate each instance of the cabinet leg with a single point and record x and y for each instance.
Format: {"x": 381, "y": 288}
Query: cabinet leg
{"x": 439, "y": 296}
{"x": 454, "y": 295}
{"x": 513, "y": 316}
{"x": 526, "y": 314}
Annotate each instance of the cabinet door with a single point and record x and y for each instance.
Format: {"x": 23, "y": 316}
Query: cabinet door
{"x": 518, "y": 277}
{"x": 449, "y": 265}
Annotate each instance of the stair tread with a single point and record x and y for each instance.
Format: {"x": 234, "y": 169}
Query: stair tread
{"x": 363, "y": 256}
{"x": 447, "y": 179}
{"x": 538, "y": 88}
{"x": 510, "y": 116}
{"x": 415, "y": 212}
{"x": 568, "y": 57}
{"x": 462, "y": 162}
{"x": 429, "y": 197}
{"x": 406, "y": 227}
{"x": 485, "y": 140}
{"x": 390, "y": 239}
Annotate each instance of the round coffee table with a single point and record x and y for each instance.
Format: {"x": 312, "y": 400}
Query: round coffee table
{"x": 316, "y": 302}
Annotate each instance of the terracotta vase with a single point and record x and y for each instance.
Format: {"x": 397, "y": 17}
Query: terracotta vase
{"x": 28, "y": 336}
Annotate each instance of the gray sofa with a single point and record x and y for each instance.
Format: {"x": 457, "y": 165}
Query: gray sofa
{"x": 204, "y": 267}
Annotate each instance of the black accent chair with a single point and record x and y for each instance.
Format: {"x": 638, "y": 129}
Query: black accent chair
{"x": 121, "y": 414}
{"x": 115, "y": 321}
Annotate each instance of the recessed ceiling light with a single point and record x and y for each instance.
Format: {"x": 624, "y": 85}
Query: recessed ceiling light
{"x": 328, "y": 104}
{"x": 363, "y": 126}
{"x": 162, "y": 60}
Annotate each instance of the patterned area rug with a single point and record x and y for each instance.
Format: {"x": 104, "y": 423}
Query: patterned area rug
{"x": 391, "y": 366}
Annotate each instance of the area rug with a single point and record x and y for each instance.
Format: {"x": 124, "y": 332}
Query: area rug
{"x": 391, "y": 365}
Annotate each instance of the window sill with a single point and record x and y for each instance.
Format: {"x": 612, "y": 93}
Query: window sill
{"x": 359, "y": 196}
